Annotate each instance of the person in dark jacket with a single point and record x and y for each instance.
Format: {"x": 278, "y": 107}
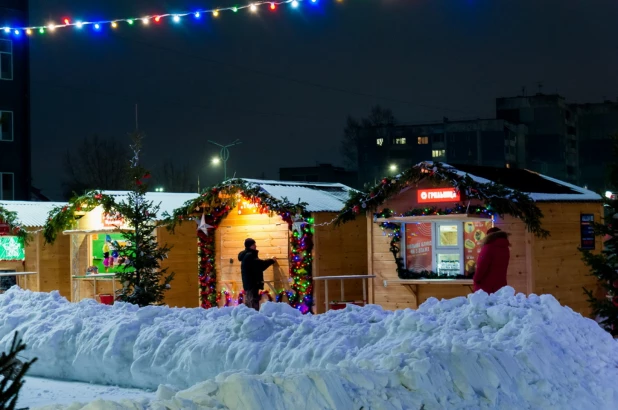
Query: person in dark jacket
{"x": 493, "y": 261}
{"x": 252, "y": 269}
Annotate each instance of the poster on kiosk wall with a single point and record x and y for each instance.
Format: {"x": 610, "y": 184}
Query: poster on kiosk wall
{"x": 474, "y": 233}
{"x": 418, "y": 247}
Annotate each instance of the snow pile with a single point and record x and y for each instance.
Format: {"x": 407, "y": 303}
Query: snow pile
{"x": 500, "y": 351}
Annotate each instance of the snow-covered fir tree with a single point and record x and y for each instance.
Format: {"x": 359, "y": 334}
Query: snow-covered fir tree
{"x": 144, "y": 281}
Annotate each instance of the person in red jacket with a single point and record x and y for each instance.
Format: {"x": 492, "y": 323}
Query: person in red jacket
{"x": 493, "y": 261}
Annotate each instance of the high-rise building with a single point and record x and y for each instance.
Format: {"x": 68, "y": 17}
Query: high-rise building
{"x": 486, "y": 142}
{"x": 596, "y": 124}
{"x": 552, "y": 143}
{"x": 15, "y": 166}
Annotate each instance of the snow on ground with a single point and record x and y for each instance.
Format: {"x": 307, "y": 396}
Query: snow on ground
{"x": 39, "y": 392}
{"x": 502, "y": 351}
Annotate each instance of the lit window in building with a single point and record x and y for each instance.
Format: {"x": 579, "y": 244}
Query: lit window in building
{"x": 400, "y": 141}
{"x": 438, "y": 153}
{"x": 423, "y": 140}
{"x": 380, "y": 142}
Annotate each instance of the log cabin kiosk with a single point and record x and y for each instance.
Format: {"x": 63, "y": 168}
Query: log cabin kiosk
{"x": 292, "y": 221}
{"x": 31, "y": 264}
{"x": 427, "y": 225}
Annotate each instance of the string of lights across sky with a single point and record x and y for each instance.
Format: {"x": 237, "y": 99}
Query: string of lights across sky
{"x": 155, "y": 18}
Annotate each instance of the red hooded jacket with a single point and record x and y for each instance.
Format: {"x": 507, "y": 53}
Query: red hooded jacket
{"x": 492, "y": 263}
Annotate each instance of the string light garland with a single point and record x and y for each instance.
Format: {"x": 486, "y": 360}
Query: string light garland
{"x": 175, "y": 18}
{"x": 499, "y": 198}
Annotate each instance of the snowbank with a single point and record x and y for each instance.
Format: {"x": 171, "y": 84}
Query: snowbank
{"x": 501, "y": 351}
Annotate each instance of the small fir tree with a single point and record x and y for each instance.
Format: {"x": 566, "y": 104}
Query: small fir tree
{"x": 13, "y": 371}
{"x": 605, "y": 264}
{"x": 144, "y": 281}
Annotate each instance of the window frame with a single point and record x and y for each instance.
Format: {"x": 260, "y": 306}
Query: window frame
{"x": 12, "y": 126}
{"x": 380, "y": 142}
{"x": 435, "y": 244}
{"x": 422, "y": 140}
{"x": 2, "y": 198}
{"x": 441, "y": 151}
{"x": 11, "y": 56}
{"x": 400, "y": 141}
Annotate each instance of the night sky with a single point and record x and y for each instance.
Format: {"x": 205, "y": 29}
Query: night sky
{"x": 283, "y": 82}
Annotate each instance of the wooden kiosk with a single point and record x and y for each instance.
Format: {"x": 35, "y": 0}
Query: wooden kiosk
{"x": 91, "y": 229}
{"x": 267, "y": 211}
{"x": 38, "y": 266}
{"x": 436, "y": 218}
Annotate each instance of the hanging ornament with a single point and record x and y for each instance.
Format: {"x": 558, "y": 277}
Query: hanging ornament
{"x": 364, "y": 205}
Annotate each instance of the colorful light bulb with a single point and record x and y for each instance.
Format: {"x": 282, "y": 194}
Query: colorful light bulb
{"x": 253, "y": 8}
{"x": 273, "y": 6}
{"x": 197, "y": 14}
{"x": 7, "y": 30}
{"x": 215, "y": 13}
{"x": 176, "y": 19}
{"x": 130, "y": 21}
{"x": 97, "y": 26}
{"x": 295, "y": 3}
{"x": 114, "y": 24}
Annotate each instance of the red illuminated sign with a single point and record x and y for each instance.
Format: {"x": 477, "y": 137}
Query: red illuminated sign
{"x": 438, "y": 195}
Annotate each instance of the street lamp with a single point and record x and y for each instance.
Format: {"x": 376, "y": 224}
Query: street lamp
{"x": 393, "y": 167}
{"x": 224, "y": 154}
{"x": 216, "y": 161}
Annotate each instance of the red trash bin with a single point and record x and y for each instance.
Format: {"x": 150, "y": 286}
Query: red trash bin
{"x": 106, "y": 299}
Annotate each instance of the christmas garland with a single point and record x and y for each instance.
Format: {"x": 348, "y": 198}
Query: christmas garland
{"x": 500, "y": 199}
{"x": 216, "y": 202}
{"x": 63, "y": 217}
{"x": 15, "y": 226}
{"x": 395, "y": 235}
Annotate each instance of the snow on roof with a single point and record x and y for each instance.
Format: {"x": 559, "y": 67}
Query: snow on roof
{"x": 319, "y": 196}
{"x": 539, "y": 187}
{"x": 30, "y": 213}
{"x": 168, "y": 201}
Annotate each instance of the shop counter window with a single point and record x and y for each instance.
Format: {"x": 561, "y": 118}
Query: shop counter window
{"x": 446, "y": 248}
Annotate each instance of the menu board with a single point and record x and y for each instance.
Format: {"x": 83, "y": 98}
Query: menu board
{"x": 474, "y": 233}
{"x": 418, "y": 247}
{"x": 586, "y": 222}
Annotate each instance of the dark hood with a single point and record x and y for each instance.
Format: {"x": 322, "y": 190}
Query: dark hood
{"x": 500, "y": 238}
{"x": 242, "y": 254}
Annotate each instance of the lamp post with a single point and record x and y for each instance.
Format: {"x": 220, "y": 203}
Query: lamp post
{"x": 224, "y": 154}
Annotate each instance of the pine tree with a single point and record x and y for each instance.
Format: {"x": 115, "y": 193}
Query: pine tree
{"x": 605, "y": 264}
{"x": 13, "y": 372}
{"x": 144, "y": 282}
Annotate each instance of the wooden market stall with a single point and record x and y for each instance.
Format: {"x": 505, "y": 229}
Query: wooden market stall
{"x": 261, "y": 210}
{"x": 94, "y": 232}
{"x": 434, "y": 217}
{"x": 38, "y": 266}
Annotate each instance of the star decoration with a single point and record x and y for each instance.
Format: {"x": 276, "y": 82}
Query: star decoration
{"x": 203, "y": 226}
{"x": 298, "y": 223}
